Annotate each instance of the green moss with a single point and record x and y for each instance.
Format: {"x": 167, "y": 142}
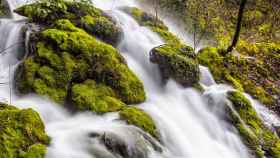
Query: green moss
{"x": 46, "y": 12}
{"x": 4, "y": 10}
{"x": 48, "y": 56}
{"x": 56, "y": 94}
{"x": 4, "y": 106}
{"x": 146, "y": 19}
{"x": 22, "y": 133}
{"x": 241, "y": 72}
{"x": 66, "y": 55}
{"x": 198, "y": 87}
{"x": 253, "y": 131}
{"x": 107, "y": 63}
{"x": 47, "y": 73}
{"x": 95, "y": 97}
{"x": 139, "y": 118}
{"x": 167, "y": 36}
{"x": 103, "y": 28}
{"x": 155, "y": 24}
{"x": 82, "y": 14}
{"x": 234, "y": 82}
{"x": 178, "y": 62}
{"x": 34, "y": 151}
{"x": 25, "y": 75}
{"x": 209, "y": 55}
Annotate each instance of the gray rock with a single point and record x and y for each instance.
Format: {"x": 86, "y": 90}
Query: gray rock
{"x": 129, "y": 143}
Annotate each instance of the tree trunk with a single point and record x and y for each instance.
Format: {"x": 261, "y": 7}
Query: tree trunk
{"x": 238, "y": 26}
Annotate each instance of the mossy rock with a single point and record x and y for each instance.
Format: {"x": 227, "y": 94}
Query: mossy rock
{"x": 46, "y": 12}
{"x": 4, "y": 9}
{"x": 22, "y": 133}
{"x": 95, "y": 97}
{"x": 260, "y": 139}
{"x": 154, "y": 23}
{"x": 66, "y": 55}
{"x": 82, "y": 14}
{"x": 177, "y": 62}
{"x": 139, "y": 118}
{"x": 245, "y": 74}
{"x": 103, "y": 28}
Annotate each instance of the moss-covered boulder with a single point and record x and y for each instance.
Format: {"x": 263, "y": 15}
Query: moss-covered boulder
{"x": 4, "y": 9}
{"x": 139, "y": 118}
{"x": 175, "y": 59}
{"x": 22, "y": 133}
{"x": 154, "y": 23}
{"x": 66, "y": 55}
{"x": 257, "y": 76}
{"x": 177, "y": 62}
{"x": 95, "y": 97}
{"x": 82, "y": 14}
{"x": 260, "y": 139}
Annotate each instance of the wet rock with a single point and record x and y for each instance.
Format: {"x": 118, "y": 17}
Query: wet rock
{"x": 131, "y": 143}
{"x": 177, "y": 62}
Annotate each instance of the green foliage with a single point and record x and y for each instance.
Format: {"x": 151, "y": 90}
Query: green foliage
{"x": 22, "y": 133}
{"x": 252, "y": 129}
{"x": 178, "y": 62}
{"x": 139, "y": 118}
{"x": 95, "y": 97}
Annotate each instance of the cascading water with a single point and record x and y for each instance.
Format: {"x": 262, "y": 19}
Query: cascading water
{"x": 190, "y": 128}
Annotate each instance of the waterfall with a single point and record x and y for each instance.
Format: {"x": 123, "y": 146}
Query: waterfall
{"x": 190, "y": 127}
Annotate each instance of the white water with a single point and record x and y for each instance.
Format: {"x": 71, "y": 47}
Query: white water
{"x": 190, "y": 128}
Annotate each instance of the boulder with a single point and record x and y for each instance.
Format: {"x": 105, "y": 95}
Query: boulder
{"x": 177, "y": 62}
{"x": 82, "y": 14}
{"x": 4, "y": 9}
{"x": 65, "y": 56}
{"x": 132, "y": 143}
